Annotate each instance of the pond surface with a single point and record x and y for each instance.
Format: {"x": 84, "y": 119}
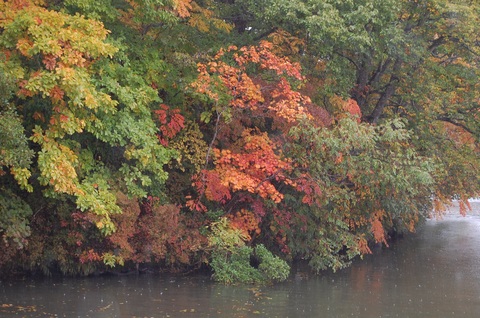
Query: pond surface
{"x": 433, "y": 273}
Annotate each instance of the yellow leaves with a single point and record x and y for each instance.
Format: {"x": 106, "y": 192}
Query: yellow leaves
{"x": 56, "y": 163}
{"x": 202, "y": 18}
{"x": 71, "y": 39}
{"x": 66, "y": 46}
{"x": 22, "y": 175}
{"x": 25, "y": 45}
{"x": 66, "y": 73}
{"x": 90, "y": 101}
{"x": 285, "y": 43}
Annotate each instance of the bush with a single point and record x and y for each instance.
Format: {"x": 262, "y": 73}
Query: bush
{"x": 238, "y": 266}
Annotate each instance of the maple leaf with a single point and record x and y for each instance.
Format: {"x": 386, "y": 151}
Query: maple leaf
{"x": 172, "y": 122}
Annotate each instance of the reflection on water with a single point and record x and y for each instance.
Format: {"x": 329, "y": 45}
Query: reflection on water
{"x": 433, "y": 273}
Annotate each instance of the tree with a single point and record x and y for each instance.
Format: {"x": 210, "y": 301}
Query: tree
{"x": 416, "y": 59}
{"x": 179, "y": 133}
{"x": 87, "y": 117}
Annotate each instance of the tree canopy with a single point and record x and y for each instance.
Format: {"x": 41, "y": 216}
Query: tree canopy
{"x": 178, "y": 134}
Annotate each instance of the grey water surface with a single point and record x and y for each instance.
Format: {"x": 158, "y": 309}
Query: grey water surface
{"x": 432, "y": 273}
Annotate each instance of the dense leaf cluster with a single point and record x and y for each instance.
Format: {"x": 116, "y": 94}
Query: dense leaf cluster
{"x": 235, "y": 134}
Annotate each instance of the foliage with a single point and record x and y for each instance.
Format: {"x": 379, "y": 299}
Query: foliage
{"x": 174, "y": 134}
{"x": 234, "y": 262}
{"x": 14, "y": 225}
{"x": 67, "y": 80}
{"x": 364, "y": 171}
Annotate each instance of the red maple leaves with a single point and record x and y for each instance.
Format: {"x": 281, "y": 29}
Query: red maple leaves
{"x": 171, "y": 123}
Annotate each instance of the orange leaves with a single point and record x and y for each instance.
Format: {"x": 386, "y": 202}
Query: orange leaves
{"x": 24, "y": 45}
{"x": 250, "y": 86}
{"x": 362, "y": 245}
{"x": 182, "y": 7}
{"x": 246, "y": 222}
{"x": 377, "y": 228}
{"x": 229, "y": 73}
{"x": 353, "y": 109}
{"x": 267, "y": 60}
{"x": 346, "y": 107}
{"x": 288, "y": 104}
{"x": 253, "y": 168}
{"x": 464, "y": 206}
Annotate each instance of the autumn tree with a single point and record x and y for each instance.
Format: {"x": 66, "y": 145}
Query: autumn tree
{"x": 177, "y": 133}
{"x": 415, "y": 59}
{"x": 86, "y": 117}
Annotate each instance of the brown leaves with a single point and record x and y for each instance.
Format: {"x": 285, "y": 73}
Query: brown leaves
{"x": 50, "y": 61}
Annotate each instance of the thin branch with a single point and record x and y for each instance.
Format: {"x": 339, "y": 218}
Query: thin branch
{"x": 453, "y": 122}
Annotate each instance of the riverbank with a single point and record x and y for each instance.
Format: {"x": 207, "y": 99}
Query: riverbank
{"x": 428, "y": 274}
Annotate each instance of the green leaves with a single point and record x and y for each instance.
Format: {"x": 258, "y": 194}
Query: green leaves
{"x": 362, "y": 170}
{"x": 14, "y": 223}
{"x": 64, "y": 62}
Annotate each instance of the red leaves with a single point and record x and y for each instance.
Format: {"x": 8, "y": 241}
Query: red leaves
{"x": 253, "y": 168}
{"x": 310, "y": 188}
{"x": 89, "y": 257}
{"x": 215, "y": 191}
{"x": 172, "y": 122}
{"x": 353, "y": 109}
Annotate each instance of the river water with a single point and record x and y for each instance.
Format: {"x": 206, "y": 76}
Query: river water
{"x": 432, "y": 273}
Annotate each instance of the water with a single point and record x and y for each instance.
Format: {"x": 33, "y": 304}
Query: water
{"x": 433, "y": 273}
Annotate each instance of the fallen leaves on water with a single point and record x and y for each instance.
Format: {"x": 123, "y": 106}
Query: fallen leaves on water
{"x": 10, "y": 308}
{"x": 187, "y": 310}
